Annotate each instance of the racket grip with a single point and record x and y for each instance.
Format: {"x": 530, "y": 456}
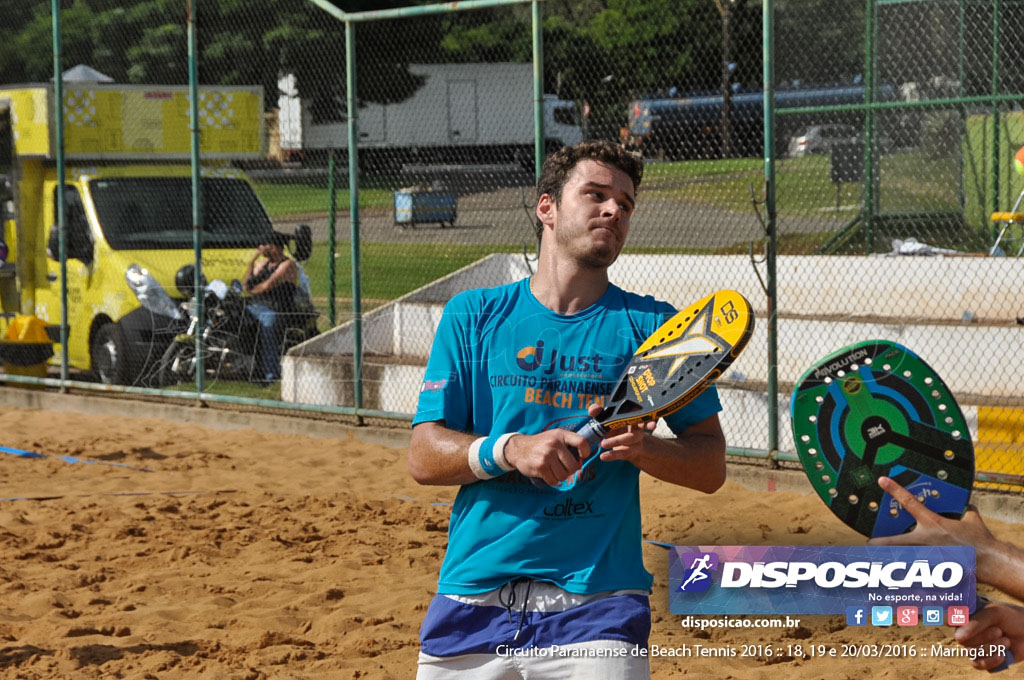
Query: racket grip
{"x": 593, "y": 432}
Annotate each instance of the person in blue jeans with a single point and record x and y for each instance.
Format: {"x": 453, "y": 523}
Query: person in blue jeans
{"x": 272, "y": 279}
{"x": 541, "y": 582}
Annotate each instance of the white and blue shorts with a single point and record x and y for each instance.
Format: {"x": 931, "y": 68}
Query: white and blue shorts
{"x": 534, "y": 629}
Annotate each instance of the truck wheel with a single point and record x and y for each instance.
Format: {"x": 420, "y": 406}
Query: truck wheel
{"x": 109, "y": 354}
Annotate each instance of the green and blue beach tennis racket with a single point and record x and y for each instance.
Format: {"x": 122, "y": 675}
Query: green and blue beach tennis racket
{"x": 872, "y": 409}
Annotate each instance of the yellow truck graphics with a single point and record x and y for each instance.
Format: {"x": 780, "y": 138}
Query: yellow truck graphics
{"x": 127, "y": 201}
{"x": 141, "y": 122}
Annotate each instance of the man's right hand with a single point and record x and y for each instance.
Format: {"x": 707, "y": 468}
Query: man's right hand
{"x": 997, "y": 624}
{"x": 551, "y": 455}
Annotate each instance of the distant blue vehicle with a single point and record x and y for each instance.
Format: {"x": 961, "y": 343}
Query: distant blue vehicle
{"x": 691, "y": 126}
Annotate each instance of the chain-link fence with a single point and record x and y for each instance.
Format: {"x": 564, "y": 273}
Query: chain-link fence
{"x": 895, "y": 128}
{"x": 916, "y": 167}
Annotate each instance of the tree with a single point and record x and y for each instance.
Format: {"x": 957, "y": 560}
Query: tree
{"x": 818, "y": 43}
{"x": 240, "y": 43}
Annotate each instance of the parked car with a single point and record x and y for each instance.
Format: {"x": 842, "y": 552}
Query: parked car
{"x": 819, "y": 139}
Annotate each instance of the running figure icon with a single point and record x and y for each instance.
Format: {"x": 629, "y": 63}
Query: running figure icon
{"x": 698, "y": 570}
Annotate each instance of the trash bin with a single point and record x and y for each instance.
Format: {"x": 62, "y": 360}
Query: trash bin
{"x": 847, "y": 162}
{"x": 422, "y": 204}
{"x": 26, "y": 346}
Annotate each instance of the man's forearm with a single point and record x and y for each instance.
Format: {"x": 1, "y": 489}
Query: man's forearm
{"x": 1001, "y": 564}
{"x": 248, "y": 274}
{"x": 440, "y": 456}
{"x": 696, "y": 461}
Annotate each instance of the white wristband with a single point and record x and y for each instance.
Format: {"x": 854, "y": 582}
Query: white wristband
{"x": 486, "y": 456}
{"x": 474, "y": 460}
{"x": 499, "y": 452}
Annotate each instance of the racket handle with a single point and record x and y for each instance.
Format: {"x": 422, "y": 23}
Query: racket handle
{"x": 1008, "y": 660}
{"x": 593, "y": 432}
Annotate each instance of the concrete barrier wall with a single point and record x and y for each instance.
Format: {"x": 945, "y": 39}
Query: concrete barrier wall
{"x": 970, "y": 358}
{"x": 916, "y": 301}
{"x": 991, "y": 289}
{"x": 911, "y": 289}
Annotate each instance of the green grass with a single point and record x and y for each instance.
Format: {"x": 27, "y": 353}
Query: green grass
{"x": 390, "y": 270}
{"x": 804, "y": 188}
{"x": 702, "y": 168}
{"x": 803, "y": 185}
{"x": 286, "y": 200}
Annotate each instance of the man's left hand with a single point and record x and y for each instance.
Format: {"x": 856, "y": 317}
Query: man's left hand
{"x": 623, "y": 443}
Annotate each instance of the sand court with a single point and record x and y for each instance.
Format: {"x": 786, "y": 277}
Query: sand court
{"x": 150, "y": 548}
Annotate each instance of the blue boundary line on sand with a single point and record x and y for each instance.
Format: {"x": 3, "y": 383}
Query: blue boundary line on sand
{"x": 120, "y": 493}
{"x": 21, "y": 453}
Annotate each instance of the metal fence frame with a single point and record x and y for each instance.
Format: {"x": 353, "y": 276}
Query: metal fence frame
{"x": 772, "y": 454}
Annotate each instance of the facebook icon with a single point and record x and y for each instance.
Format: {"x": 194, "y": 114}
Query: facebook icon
{"x": 856, "y": 616}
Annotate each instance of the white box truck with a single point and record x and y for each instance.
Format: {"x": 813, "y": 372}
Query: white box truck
{"x": 462, "y": 113}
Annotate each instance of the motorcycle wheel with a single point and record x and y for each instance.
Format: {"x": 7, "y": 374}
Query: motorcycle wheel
{"x": 166, "y": 375}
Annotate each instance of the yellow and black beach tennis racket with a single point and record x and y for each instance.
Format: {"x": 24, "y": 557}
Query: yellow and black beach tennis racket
{"x": 675, "y": 364}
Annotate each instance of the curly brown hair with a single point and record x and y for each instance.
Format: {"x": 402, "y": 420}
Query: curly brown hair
{"x": 559, "y": 166}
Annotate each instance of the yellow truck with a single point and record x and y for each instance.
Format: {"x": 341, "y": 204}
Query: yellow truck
{"x": 128, "y": 201}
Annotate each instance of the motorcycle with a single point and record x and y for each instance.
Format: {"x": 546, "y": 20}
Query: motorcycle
{"x": 227, "y": 336}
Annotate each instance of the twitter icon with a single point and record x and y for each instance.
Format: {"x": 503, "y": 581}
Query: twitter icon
{"x": 881, "y": 616}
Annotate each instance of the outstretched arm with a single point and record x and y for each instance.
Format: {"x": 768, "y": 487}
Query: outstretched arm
{"x": 1000, "y": 564}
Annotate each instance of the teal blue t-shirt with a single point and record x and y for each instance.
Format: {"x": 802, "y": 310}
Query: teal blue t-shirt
{"x": 503, "y": 362}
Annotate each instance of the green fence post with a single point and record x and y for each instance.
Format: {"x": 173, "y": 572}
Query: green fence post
{"x": 870, "y": 199}
{"x": 333, "y": 197}
{"x": 197, "y": 192}
{"x": 995, "y": 107}
{"x": 538, "y": 88}
{"x": 353, "y": 184}
{"x": 768, "y": 47}
{"x": 961, "y": 74}
{"x": 62, "y": 254}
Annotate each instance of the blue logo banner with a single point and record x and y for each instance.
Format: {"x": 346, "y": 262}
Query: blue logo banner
{"x": 801, "y": 579}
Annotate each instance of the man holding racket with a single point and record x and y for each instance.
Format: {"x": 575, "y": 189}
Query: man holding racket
{"x": 537, "y": 580}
